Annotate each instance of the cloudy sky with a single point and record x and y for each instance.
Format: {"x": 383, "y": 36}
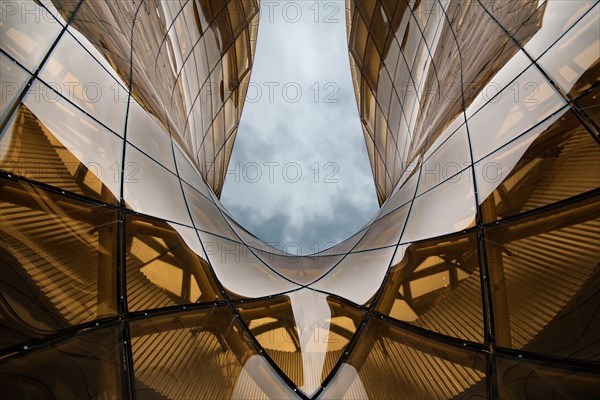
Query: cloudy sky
{"x": 299, "y": 172}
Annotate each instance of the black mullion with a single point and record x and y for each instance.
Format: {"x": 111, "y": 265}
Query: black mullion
{"x": 127, "y": 365}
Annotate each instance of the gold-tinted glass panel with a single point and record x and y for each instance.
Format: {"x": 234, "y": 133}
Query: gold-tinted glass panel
{"x": 59, "y": 262}
{"x": 436, "y": 285}
{"x": 81, "y": 367}
{"x": 539, "y": 169}
{"x": 165, "y": 266}
{"x": 544, "y": 273}
{"x": 305, "y": 333}
{"x": 392, "y": 363}
{"x": 55, "y": 143}
{"x": 530, "y": 381}
{"x": 590, "y": 105}
{"x": 201, "y": 354}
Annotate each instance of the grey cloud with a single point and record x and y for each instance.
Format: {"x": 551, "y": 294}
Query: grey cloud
{"x": 309, "y": 133}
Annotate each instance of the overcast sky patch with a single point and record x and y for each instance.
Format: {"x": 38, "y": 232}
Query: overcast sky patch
{"x": 299, "y": 172}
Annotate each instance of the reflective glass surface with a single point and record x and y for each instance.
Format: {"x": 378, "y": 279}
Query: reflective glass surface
{"x": 124, "y": 276}
{"x": 13, "y": 79}
{"x": 151, "y": 189}
{"x": 527, "y": 380}
{"x": 240, "y": 271}
{"x": 390, "y": 363}
{"x": 543, "y": 270}
{"x": 75, "y": 74}
{"x": 89, "y": 368}
{"x": 28, "y": 31}
{"x": 50, "y": 141}
{"x": 358, "y": 276}
{"x": 305, "y": 333}
{"x": 166, "y": 266}
{"x": 58, "y": 262}
{"x": 436, "y": 285}
{"x": 202, "y": 354}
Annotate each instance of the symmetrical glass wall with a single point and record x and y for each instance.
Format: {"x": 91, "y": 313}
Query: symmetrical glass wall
{"x": 124, "y": 277}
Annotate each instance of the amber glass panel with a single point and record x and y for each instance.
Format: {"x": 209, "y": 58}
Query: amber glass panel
{"x": 539, "y": 169}
{"x": 358, "y": 39}
{"x": 202, "y": 354}
{"x": 544, "y": 273}
{"x": 58, "y": 262}
{"x": 436, "y": 285}
{"x": 529, "y": 381}
{"x": 590, "y": 104}
{"x": 305, "y": 333}
{"x": 392, "y": 363}
{"x": 372, "y": 62}
{"x": 82, "y": 367}
{"x": 165, "y": 266}
{"x": 379, "y": 26}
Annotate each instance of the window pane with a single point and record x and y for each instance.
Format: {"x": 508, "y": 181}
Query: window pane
{"x": 406, "y": 191}
{"x": 430, "y": 216}
{"x": 75, "y": 74}
{"x": 358, "y": 276}
{"x": 49, "y": 140}
{"x": 201, "y": 354}
{"x": 206, "y": 215}
{"x": 557, "y": 17}
{"x": 188, "y": 172}
{"x": 302, "y": 270}
{"x": 544, "y": 275}
{"x": 305, "y": 333}
{"x": 385, "y": 231}
{"x": 147, "y": 135}
{"x": 552, "y": 162}
{"x": 151, "y": 189}
{"x": 435, "y": 285}
{"x": 574, "y": 61}
{"x": 509, "y": 71}
{"x": 13, "y": 79}
{"x": 389, "y": 361}
{"x": 345, "y": 246}
{"x": 524, "y": 103}
{"x": 166, "y": 266}
{"x": 240, "y": 272}
{"x": 27, "y": 31}
{"x": 58, "y": 262}
{"x": 590, "y": 104}
{"x": 451, "y": 157}
{"x": 531, "y": 381}
{"x": 81, "y": 367}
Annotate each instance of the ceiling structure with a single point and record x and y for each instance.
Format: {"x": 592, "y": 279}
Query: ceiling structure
{"x": 123, "y": 276}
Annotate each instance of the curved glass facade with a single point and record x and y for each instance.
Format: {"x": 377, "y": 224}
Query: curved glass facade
{"x": 124, "y": 277}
